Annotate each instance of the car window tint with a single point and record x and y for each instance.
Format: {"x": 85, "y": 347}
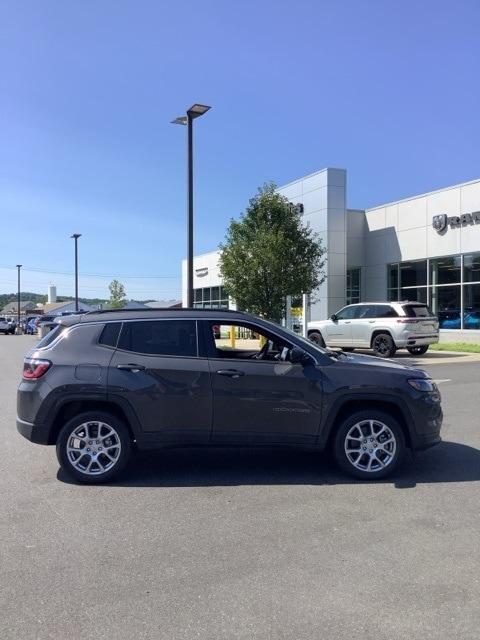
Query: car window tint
{"x": 50, "y": 337}
{"x": 417, "y": 311}
{"x": 109, "y": 335}
{"x": 160, "y": 338}
{"x": 385, "y": 311}
{"x": 347, "y": 313}
{"x": 365, "y": 311}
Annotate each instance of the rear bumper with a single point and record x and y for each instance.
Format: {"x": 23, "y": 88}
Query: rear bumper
{"x": 416, "y": 341}
{"x": 33, "y": 432}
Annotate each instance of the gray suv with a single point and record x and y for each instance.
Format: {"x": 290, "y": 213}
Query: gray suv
{"x": 102, "y": 384}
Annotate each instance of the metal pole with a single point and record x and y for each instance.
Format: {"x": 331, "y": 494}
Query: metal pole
{"x": 306, "y": 313}
{"x": 76, "y": 273}
{"x": 190, "y": 213}
{"x": 18, "y": 297}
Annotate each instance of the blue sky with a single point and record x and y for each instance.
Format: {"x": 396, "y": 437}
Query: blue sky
{"x": 388, "y": 90}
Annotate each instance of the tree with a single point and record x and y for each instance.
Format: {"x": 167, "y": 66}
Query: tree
{"x": 270, "y": 253}
{"x": 117, "y": 294}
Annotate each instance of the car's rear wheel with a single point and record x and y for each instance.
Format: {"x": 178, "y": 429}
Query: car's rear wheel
{"x": 418, "y": 351}
{"x": 369, "y": 444}
{"x": 316, "y": 337}
{"x": 383, "y": 345}
{"x": 94, "y": 447}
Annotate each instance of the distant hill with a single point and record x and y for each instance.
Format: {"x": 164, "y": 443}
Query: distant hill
{"x": 38, "y": 298}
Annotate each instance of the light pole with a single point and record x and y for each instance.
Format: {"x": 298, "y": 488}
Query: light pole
{"x": 76, "y": 236}
{"x": 19, "y": 266}
{"x": 195, "y": 111}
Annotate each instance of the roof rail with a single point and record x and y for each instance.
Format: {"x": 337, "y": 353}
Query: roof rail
{"x": 153, "y": 309}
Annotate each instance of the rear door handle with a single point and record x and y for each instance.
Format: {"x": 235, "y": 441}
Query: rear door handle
{"x": 131, "y": 367}
{"x": 231, "y": 373}
{"x": 371, "y": 321}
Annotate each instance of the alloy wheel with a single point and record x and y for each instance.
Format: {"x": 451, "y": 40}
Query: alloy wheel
{"x": 370, "y": 445}
{"x": 93, "y": 448}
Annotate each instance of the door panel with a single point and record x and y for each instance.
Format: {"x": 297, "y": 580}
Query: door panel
{"x": 171, "y": 395}
{"x": 261, "y": 400}
{"x": 265, "y": 401}
{"x": 338, "y": 333}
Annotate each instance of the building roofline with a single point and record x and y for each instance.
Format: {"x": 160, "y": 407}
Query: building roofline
{"x": 315, "y": 173}
{"x": 423, "y": 195}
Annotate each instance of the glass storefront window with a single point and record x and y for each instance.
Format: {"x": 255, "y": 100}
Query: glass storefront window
{"x": 393, "y": 276}
{"x": 445, "y": 270}
{"x": 211, "y": 298}
{"x": 418, "y": 294}
{"x": 445, "y": 303}
{"x": 471, "y": 267}
{"x": 413, "y": 274}
{"x": 471, "y": 306}
{"x": 353, "y": 286}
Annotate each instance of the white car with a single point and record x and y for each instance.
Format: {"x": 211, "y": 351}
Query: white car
{"x": 6, "y": 326}
{"x": 381, "y": 326}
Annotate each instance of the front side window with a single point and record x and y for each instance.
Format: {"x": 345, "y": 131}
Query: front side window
{"x": 246, "y": 342}
{"x": 347, "y": 313}
{"x": 160, "y": 337}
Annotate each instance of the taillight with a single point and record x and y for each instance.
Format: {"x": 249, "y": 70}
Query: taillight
{"x": 408, "y": 320}
{"x": 34, "y": 368}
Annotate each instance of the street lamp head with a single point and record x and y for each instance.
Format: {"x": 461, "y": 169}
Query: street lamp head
{"x": 18, "y": 266}
{"x": 76, "y": 235}
{"x": 197, "y": 110}
{"x": 180, "y": 120}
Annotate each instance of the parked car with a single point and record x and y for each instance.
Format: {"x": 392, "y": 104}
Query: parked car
{"x": 105, "y": 383}
{"x": 381, "y": 326}
{"x": 6, "y": 327}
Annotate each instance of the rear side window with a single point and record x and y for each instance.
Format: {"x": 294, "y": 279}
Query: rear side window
{"x": 417, "y": 311}
{"x": 385, "y": 311}
{"x": 160, "y": 337}
{"x": 50, "y": 337}
{"x": 110, "y": 333}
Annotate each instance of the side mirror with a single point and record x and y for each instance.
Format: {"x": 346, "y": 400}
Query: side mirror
{"x": 334, "y": 317}
{"x": 299, "y": 356}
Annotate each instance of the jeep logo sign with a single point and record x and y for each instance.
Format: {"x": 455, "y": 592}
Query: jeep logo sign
{"x": 442, "y": 221}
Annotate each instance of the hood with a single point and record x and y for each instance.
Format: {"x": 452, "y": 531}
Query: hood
{"x": 380, "y": 363}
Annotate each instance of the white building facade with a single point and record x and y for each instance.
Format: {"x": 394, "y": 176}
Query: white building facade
{"x": 424, "y": 248}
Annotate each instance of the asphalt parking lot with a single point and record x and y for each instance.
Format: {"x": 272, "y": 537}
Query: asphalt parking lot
{"x": 249, "y": 544}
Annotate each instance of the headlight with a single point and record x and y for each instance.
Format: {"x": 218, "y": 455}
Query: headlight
{"x": 422, "y": 384}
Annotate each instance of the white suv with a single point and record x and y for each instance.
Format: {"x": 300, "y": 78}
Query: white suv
{"x": 381, "y": 326}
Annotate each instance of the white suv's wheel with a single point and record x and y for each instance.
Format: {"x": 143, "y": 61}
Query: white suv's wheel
{"x": 316, "y": 337}
{"x": 93, "y": 447}
{"x": 383, "y": 345}
{"x": 369, "y": 444}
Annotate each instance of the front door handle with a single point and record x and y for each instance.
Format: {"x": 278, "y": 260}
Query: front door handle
{"x": 231, "y": 373}
{"x": 371, "y": 321}
{"x": 131, "y": 367}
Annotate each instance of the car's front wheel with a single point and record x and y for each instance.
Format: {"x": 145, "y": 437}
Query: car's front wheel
{"x": 418, "y": 351}
{"x": 94, "y": 447}
{"x": 369, "y": 444}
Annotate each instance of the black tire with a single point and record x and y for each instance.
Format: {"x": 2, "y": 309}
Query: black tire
{"x": 383, "y": 345}
{"x": 418, "y": 351}
{"x": 121, "y": 453}
{"x": 316, "y": 337}
{"x": 391, "y": 461}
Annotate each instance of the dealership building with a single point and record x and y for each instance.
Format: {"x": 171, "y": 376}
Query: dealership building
{"x": 424, "y": 248}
